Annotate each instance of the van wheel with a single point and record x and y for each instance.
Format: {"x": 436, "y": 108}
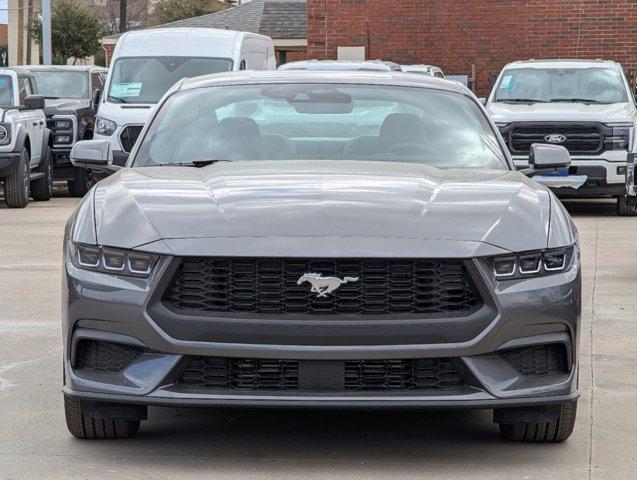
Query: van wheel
{"x": 17, "y": 185}
{"x": 626, "y": 206}
{"x": 82, "y": 182}
{"x": 42, "y": 188}
{"x": 86, "y": 427}
{"x": 544, "y": 432}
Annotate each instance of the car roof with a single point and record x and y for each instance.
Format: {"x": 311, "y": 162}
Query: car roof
{"x": 338, "y": 65}
{"x": 77, "y": 68}
{"x": 354, "y": 77}
{"x": 18, "y": 69}
{"x": 562, "y": 63}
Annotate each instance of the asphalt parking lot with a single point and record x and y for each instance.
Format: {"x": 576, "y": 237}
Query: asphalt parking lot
{"x": 198, "y": 444}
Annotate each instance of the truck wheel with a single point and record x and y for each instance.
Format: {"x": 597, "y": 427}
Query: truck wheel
{"x": 626, "y": 206}
{"x": 82, "y": 182}
{"x": 86, "y": 427}
{"x": 16, "y": 185}
{"x": 42, "y": 188}
{"x": 544, "y": 432}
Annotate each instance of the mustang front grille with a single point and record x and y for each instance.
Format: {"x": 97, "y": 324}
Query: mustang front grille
{"x": 537, "y": 360}
{"x": 282, "y": 286}
{"x": 428, "y": 374}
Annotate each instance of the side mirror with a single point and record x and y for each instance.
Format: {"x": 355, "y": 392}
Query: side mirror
{"x": 95, "y": 99}
{"x": 546, "y": 156}
{"x": 483, "y": 101}
{"x": 93, "y": 154}
{"x": 34, "y": 102}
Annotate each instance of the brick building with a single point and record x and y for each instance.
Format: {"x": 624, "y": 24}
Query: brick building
{"x": 459, "y": 34}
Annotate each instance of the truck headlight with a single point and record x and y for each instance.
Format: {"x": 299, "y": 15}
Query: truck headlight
{"x": 620, "y": 137}
{"x": 534, "y": 263}
{"x": 5, "y": 133}
{"x": 104, "y": 126}
{"x": 112, "y": 260}
{"x": 63, "y": 125}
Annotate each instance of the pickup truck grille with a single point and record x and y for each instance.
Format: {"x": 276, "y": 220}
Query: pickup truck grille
{"x": 581, "y": 137}
{"x": 128, "y": 136}
{"x": 205, "y": 285}
{"x": 221, "y": 373}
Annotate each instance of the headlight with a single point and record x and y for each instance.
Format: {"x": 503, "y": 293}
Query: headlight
{"x": 62, "y": 139}
{"x": 105, "y": 127}
{"x": 63, "y": 125}
{"x": 112, "y": 260}
{"x": 534, "y": 263}
{"x": 620, "y": 137}
{"x": 5, "y": 133}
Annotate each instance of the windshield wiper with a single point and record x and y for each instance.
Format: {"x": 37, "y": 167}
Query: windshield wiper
{"x": 51, "y": 98}
{"x": 574, "y": 100}
{"x": 521, "y": 100}
{"x": 118, "y": 99}
{"x": 195, "y": 163}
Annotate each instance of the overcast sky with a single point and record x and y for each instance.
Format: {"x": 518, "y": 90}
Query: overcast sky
{"x": 3, "y": 11}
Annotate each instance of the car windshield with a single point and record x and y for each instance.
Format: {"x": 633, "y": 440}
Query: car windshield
{"x": 146, "y": 79}
{"x": 62, "y": 84}
{"x": 585, "y": 85}
{"x": 6, "y": 94}
{"x": 321, "y": 122}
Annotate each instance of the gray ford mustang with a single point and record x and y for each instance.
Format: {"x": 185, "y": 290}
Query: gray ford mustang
{"x": 303, "y": 239}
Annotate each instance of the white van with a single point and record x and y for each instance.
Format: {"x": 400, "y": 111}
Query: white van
{"x": 146, "y": 63}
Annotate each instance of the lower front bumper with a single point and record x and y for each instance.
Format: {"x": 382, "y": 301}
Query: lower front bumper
{"x": 476, "y": 402}
{"x": 8, "y": 162}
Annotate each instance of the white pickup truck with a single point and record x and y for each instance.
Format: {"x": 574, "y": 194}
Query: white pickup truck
{"x": 586, "y": 106}
{"x": 25, "y": 159}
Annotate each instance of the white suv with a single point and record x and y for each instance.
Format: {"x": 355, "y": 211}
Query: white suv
{"x": 586, "y": 106}
{"x": 25, "y": 160}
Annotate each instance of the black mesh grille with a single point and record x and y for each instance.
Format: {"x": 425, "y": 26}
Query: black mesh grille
{"x": 129, "y": 136}
{"x": 104, "y": 357}
{"x": 538, "y": 360}
{"x": 359, "y": 375}
{"x": 272, "y": 286}
{"x": 587, "y": 138}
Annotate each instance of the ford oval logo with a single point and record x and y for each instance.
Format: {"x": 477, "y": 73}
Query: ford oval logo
{"x": 555, "y": 138}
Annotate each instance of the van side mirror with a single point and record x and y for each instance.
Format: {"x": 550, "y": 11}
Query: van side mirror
{"x": 95, "y": 99}
{"x": 544, "y": 156}
{"x": 92, "y": 154}
{"x": 34, "y": 102}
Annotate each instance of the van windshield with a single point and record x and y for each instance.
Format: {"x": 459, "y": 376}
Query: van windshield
{"x": 570, "y": 85}
{"x": 146, "y": 79}
{"x": 317, "y": 122}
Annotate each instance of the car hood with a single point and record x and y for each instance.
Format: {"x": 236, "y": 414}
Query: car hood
{"x": 554, "y": 112}
{"x": 64, "y": 105}
{"x": 335, "y": 199}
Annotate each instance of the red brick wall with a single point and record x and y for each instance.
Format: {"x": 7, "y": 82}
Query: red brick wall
{"x": 454, "y": 34}
{"x": 109, "y": 53}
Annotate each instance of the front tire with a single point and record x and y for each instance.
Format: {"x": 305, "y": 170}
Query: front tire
{"x": 82, "y": 182}
{"x": 17, "y": 184}
{"x": 86, "y": 427}
{"x": 544, "y": 432}
{"x": 627, "y": 206}
{"x": 42, "y": 188}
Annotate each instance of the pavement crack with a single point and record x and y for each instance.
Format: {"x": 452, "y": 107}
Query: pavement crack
{"x": 591, "y": 406}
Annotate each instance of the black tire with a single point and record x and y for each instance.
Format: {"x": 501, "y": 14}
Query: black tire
{"x": 545, "y": 432}
{"x": 85, "y": 427}
{"x": 42, "y": 188}
{"x": 82, "y": 182}
{"x": 626, "y": 206}
{"x": 17, "y": 185}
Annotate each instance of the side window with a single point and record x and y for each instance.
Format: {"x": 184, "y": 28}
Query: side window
{"x": 242, "y": 65}
{"x": 96, "y": 80}
{"x": 33, "y": 86}
{"x": 24, "y": 88}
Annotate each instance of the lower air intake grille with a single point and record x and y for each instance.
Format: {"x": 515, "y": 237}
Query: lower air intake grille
{"x": 284, "y": 286}
{"x": 104, "y": 357}
{"x": 538, "y": 360}
{"x": 431, "y": 374}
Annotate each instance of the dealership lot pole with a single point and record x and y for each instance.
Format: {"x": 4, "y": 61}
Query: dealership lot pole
{"x": 46, "y": 32}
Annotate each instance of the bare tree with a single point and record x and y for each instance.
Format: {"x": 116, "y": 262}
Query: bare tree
{"x": 138, "y": 13}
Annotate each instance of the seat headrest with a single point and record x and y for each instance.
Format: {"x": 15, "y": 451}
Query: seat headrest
{"x": 237, "y": 127}
{"x": 401, "y": 128}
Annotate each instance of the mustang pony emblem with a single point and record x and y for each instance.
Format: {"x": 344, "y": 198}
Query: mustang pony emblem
{"x": 323, "y": 286}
